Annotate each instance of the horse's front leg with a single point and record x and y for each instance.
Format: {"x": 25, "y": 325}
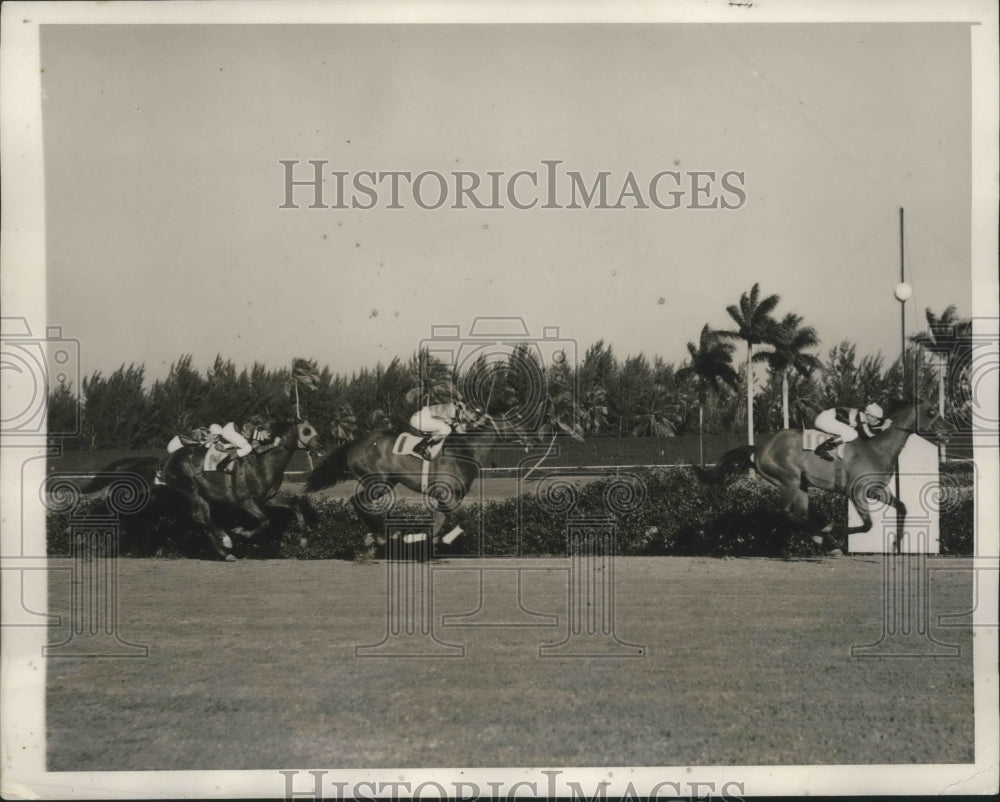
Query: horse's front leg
{"x": 363, "y": 503}
{"x": 900, "y": 509}
{"x": 201, "y": 513}
{"x": 259, "y": 516}
{"x": 296, "y": 507}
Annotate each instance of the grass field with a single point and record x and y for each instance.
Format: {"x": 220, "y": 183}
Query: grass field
{"x": 747, "y": 661}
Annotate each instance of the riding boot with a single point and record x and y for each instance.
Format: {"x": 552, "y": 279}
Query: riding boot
{"x": 823, "y": 449}
{"x": 421, "y": 448}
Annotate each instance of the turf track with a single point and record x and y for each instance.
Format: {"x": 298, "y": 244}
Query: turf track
{"x": 747, "y": 661}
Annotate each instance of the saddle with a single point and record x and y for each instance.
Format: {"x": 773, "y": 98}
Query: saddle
{"x": 811, "y": 438}
{"x": 217, "y": 453}
{"x": 404, "y": 445}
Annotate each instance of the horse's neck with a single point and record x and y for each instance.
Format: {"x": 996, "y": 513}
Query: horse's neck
{"x": 479, "y": 448}
{"x": 276, "y": 460}
{"x": 891, "y": 442}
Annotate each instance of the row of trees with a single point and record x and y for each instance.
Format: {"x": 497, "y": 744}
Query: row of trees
{"x": 602, "y": 395}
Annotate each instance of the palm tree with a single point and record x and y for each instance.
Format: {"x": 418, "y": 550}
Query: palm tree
{"x": 435, "y": 381}
{"x": 658, "y": 418}
{"x": 593, "y": 409}
{"x": 789, "y": 341}
{"x": 944, "y": 337}
{"x": 344, "y": 425}
{"x": 711, "y": 363}
{"x": 304, "y": 372}
{"x": 753, "y": 317}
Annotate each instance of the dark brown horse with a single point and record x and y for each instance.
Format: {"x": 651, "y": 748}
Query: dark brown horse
{"x": 370, "y": 460}
{"x": 863, "y": 473}
{"x": 252, "y": 481}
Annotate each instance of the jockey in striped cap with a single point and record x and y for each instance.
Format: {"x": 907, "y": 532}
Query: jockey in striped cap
{"x": 848, "y": 424}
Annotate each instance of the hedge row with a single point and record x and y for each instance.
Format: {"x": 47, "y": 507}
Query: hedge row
{"x": 665, "y": 512}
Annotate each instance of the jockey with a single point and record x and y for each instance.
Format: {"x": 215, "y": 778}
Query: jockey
{"x": 847, "y": 424}
{"x": 233, "y": 436}
{"x": 251, "y": 436}
{"x": 437, "y": 421}
{"x": 258, "y": 432}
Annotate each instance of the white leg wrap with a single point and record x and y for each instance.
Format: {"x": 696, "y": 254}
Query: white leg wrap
{"x": 450, "y": 537}
{"x": 414, "y": 537}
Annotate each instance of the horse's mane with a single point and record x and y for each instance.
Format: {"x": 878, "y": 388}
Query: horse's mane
{"x": 897, "y": 404}
{"x": 282, "y": 425}
{"x": 471, "y": 439}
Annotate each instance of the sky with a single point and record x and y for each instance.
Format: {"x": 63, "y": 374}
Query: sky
{"x": 165, "y": 232}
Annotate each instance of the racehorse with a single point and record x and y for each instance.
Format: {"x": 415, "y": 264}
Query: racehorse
{"x": 371, "y": 461}
{"x": 251, "y": 482}
{"x": 865, "y": 468}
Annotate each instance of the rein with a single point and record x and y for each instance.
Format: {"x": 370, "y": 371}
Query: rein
{"x": 541, "y": 459}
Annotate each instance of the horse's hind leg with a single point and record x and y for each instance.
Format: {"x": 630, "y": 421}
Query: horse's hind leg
{"x": 445, "y": 507}
{"x": 795, "y": 502}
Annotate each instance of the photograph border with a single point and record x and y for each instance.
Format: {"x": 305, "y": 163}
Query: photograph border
{"x": 23, "y": 293}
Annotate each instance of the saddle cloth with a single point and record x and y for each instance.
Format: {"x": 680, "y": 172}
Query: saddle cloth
{"x": 813, "y": 437}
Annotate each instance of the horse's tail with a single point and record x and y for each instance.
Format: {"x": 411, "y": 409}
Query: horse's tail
{"x": 143, "y": 466}
{"x": 730, "y": 465}
{"x": 331, "y": 470}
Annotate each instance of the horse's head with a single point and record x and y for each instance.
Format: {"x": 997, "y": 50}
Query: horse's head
{"x": 533, "y": 438}
{"x": 919, "y": 417}
{"x": 306, "y": 433}
{"x": 507, "y": 432}
{"x": 296, "y": 434}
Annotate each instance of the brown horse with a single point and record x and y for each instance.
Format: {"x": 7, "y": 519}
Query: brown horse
{"x": 371, "y": 461}
{"x": 864, "y": 471}
{"x": 252, "y": 482}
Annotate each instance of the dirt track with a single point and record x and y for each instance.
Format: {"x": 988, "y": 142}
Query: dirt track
{"x": 252, "y": 665}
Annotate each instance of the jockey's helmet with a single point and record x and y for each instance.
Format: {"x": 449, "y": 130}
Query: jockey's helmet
{"x": 875, "y": 411}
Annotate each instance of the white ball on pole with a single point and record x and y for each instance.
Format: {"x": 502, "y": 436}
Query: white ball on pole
{"x": 903, "y": 292}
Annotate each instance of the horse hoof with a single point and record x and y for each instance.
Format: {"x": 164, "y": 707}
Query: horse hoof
{"x": 227, "y": 543}
{"x": 303, "y": 543}
{"x": 817, "y": 540}
{"x": 836, "y": 553}
{"x": 369, "y": 540}
{"x": 230, "y": 558}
